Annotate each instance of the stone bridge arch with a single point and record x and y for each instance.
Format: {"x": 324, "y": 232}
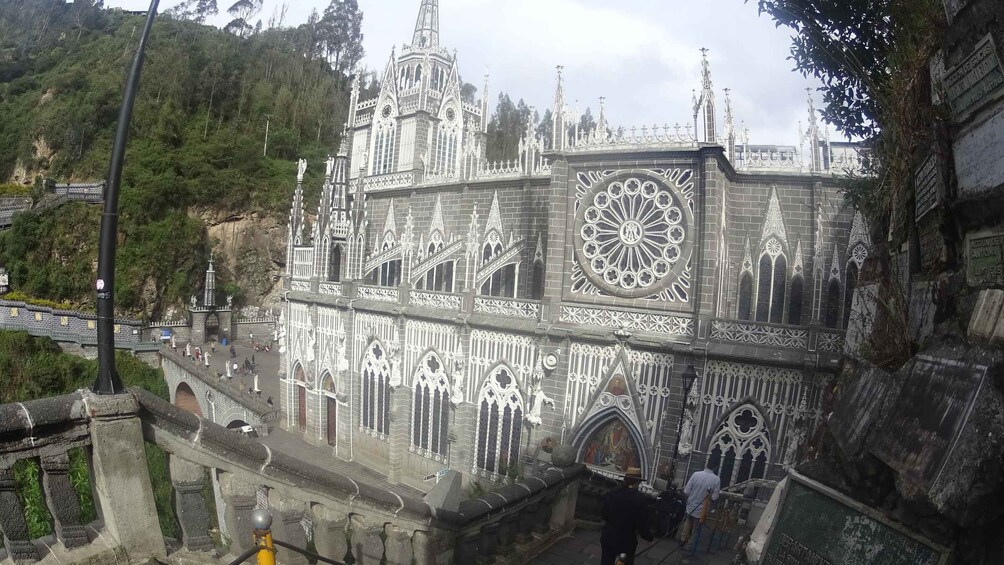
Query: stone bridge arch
{"x": 186, "y": 399}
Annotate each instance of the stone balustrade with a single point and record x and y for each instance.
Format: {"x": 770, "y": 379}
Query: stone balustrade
{"x": 780, "y": 336}
{"x": 347, "y": 519}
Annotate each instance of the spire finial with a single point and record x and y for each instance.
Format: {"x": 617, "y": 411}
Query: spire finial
{"x": 559, "y": 128}
{"x": 427, "y": 26}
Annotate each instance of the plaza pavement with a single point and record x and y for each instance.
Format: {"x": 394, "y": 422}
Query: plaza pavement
{"x": 582, "y": 547}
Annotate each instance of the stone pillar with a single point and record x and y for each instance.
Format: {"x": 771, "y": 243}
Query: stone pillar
{"x": 527, "y": 518}
{"x": 397, "y": 546}
{"x": 488, "y": 543}
{"x": 120, "y": 476}
{"x": 198, "y": 327}
{"x": 399, "y": 437}
{"x": 287, "y": 527}
{"x": 15, "y": 529}
{"x": 563, "y": 508}
{"x": 467, "y": 549}
{"x": 542, "y": 521}
{"x": 462, "y": 455}
{"x": 189, "y": 481}
{"x": 62, "y": 501}
{"x": 367, "y": 545}
{"x": 331, "y": 533}
{"x": 507, "y": 532}
{"x": 239, "y": 498}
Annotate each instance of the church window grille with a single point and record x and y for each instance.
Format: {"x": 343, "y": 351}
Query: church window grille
{"x": 741, "y": 446}
{"x": 502, "y": 283}
{"x": 438, "y": 278}
{"x": 745, "y": 297}
{"x": 383, "y": 148}
{"x": 500, "y": 417}
{"x": 850, "y": 281}
{"x": 446, "y": 149}
{"x": 795, "y": 301}
{"x": 376, "y": 390}
{"x": 537, "y": 281}
{"x": 431, "y": 411}
{"x": 335, "y": 269}
{"x": 773, "y": 270}
{"x": 832, "y": 310}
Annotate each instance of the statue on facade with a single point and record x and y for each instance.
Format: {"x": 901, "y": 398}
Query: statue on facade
{"x": 310, "y": 354}
{"x": 301, "y": 168}
{"x": 280, "y": 334}
{"x": 230, "y": 302}
{"x": 537, "y": 395}
{"x": 194, "y": 302}
{"x": 329, "y": 166}
{"x": 687, "y": 429}
{"x": 394, "y": 358}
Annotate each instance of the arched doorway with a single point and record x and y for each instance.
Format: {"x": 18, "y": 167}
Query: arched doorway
{"x": 212, "y": 327}
{"x": 184, "y": 398}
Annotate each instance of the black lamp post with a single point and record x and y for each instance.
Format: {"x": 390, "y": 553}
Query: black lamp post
{"x": 108, "y": 381}
{"x": 689, "y": 376}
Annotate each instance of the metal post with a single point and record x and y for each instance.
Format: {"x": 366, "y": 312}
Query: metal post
{"x": 108, "y": 381}
{"x": 262, "y": 521}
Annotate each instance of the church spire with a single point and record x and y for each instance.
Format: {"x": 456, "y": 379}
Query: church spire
{"x": 708, "y": 98}
{"x": 559, "y": 132}
{"x": 730, "y": 130}
{"x": 209, "y": 298}
{"x": 427, "y": 25}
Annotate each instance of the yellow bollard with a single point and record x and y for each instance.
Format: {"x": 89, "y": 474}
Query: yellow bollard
{"x": 621, "y": 559}
{"x": 262, "y": 521}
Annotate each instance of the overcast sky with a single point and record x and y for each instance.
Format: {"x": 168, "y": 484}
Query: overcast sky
{"x": 642, "y": 55}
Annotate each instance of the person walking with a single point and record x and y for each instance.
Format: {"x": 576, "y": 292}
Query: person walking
{"x": 702, "y": 486}
{"x": 625, "y": 516}
{"x": 233, "y": 352}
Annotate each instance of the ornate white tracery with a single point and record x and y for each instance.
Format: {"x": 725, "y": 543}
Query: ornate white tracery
{"x": 632, "y": 235}
{"x": 500, "y": 421}
{"x": 375, "y": 375}
{"x": 431, "y": 408}
{"x": 384, "y": 139}
{"x": 742, "y": 446}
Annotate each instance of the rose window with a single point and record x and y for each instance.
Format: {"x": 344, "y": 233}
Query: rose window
{"x": 632, "y": 235}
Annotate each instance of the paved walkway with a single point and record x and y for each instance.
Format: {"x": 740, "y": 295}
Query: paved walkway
{"x": 582, "y": 547}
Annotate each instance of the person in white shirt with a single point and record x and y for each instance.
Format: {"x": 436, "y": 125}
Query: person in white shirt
{"x": 701, "y": 486}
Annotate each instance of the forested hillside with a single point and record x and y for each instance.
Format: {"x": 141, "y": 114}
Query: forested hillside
{"x": 197, "y": 141}
{"x": 198, "y": 173}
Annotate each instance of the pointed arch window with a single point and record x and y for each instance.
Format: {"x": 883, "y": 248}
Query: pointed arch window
{"x": 740, "y": 447}
{"x": 335, "y": 268}
{"x": 446, "y": 145}
{"x": 745, "y": 297}
{"x": 850, "y": 282}
{"x": 431, "y": 409}
{"x": 383, "y": 143}
{"x": 500, "y": 418}
{"x": 537, "y": 282}
{"x": 773, "y": 272}
{"x": 795, "y": 300}
{"x": 375, "y": 374}
{"x": 832, "y": 310}
{"x": 502, "y": 283}
{"x": 330, "y": 408}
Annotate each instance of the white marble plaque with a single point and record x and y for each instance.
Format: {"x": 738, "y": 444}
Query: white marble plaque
{"x": 979, "y": 156}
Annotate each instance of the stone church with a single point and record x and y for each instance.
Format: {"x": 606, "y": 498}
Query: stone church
{"x": 649, "y": 296}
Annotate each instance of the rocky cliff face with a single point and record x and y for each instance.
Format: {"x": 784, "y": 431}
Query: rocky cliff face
{"x": 250, "y": 250}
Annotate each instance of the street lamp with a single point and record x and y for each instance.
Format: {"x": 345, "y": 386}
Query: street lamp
{"x": 689, "y": 376}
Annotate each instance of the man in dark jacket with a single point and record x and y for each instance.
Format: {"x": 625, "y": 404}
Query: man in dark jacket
{"x": 625, "y": 513}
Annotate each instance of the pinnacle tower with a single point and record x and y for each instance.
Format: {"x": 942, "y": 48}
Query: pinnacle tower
{"x": 427, "y": 25}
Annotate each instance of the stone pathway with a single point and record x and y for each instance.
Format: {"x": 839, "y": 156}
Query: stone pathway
{"x": 582, "y": 547}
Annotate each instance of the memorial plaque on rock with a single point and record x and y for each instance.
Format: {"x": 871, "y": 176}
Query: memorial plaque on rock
{"x": 922, "y": 310}
{"x": 978, "y": 163}
{"x": 975, "y": 80}
{"x": 953, "y": 7}
{"x": 858, "y": 408}
{"x": 819, "y": 525}
{"x": 984, "y": 258}
{"x": 928, "y": 186}
{"x": 928, "y": 418}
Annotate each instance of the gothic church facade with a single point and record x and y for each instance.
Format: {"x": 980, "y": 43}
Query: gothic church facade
{"x": 444, "y": 312}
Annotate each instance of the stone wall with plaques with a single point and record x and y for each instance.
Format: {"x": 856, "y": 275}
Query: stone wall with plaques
{"x": 816, "y": 524}
{"x": 985, "y": 258}
{"x": 978, "y": 151}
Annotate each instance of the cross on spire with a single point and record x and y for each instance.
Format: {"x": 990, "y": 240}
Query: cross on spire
{"x": 427, "y": 25}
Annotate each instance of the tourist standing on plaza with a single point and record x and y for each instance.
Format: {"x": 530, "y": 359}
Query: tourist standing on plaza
{"x": 625, "y": 513}
{"x": 703, "y": 487}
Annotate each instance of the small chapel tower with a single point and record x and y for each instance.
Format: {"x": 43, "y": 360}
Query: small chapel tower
{"x": 427, "y": 25}
{"x": 209, "y": 296}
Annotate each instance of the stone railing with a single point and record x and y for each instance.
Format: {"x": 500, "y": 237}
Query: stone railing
{"x": 777, "y": 335}
{"x": 389, "y": 181}
{"x": 511, "y": 307}
{"x": 65, "y": 325}
{"x": 757, "y": 333}
{"x": 430, "y": 299}
{"x": 665, "y": 136}
{"x": 339, "y": 511}
{"x": 679, "y": 326}
{"x": 330, "y": 288}
{"x": 379, "y": 293}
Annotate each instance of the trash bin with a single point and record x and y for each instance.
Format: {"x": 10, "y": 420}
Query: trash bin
{"x": 224, "y": 341}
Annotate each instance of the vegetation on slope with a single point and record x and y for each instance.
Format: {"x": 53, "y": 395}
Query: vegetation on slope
{"x": 34, "y": 367}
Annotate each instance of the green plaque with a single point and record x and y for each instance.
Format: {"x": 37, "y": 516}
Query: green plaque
{"x": 817, "y": 525}
{"x": 985, "y": 258}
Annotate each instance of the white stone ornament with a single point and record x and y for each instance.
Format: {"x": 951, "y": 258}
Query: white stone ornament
{"x": 301, "y": 168}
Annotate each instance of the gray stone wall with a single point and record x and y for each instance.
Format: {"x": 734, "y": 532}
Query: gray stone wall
{"x": 63, "y": 325}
